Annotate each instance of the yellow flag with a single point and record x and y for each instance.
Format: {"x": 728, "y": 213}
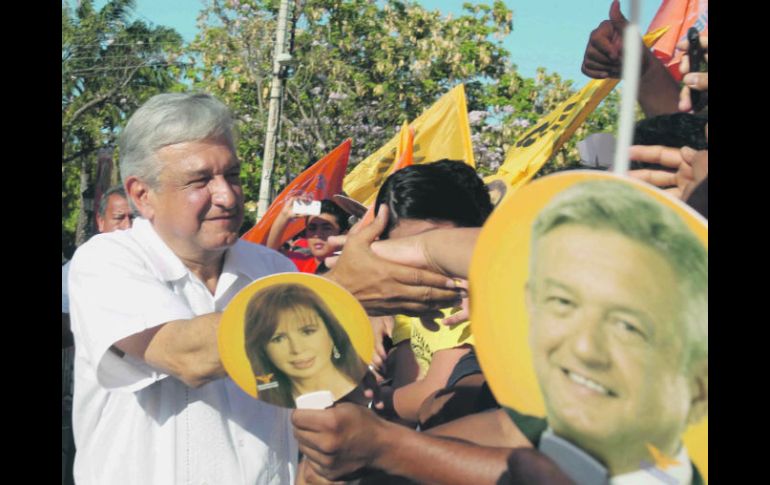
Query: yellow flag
{"x": 442, "y": 131}
{"x": 547, "y": 136}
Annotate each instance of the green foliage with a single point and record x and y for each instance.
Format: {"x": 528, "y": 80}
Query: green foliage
{"x": 110, "y": 66}
{"x": 361, "y": 67}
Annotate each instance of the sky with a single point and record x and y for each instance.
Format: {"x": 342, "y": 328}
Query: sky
{"x": 546, "y": 33}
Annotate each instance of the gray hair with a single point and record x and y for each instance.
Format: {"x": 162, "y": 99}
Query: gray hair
{"x": 117, "y": 190}
{"x": 624, "y": 209}
{"x": 168, "y": 119}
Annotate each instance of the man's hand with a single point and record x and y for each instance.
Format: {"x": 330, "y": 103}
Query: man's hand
{"x": 604, "y": 54}
{"x": 699, "y": 161}
{"x": 658, "y": 90}
{"x": 307, "y": 476}
{"x": 282, "y": 220}
{"x": 431, "y": 251}
{"x": 465, "y": 309}
{"x": 675, "y": 183}
{"x": 386, "y": 288}
{"x": 287, "y": 211}
{"x": 340, "y": 440}
{"x": 692, "y": 80}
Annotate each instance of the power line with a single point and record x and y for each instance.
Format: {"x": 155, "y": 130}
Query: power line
{"x": 109, "y": 58}
{"x": 107, "y": 43}
{"x": 122, "y": 68}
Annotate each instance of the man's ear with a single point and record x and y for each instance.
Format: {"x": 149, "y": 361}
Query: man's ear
{"x": 138, "y": 193}
{"x": 99, "y": 222}
{"x": 699, "y": 392}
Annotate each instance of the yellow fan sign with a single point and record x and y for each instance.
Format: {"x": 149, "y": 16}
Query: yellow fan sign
{"x": 294, "y": 333}
{"x": 589, "y": 301}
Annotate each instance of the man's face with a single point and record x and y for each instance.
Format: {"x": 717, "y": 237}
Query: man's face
{"x": 197, "y": 207}
{"x": 319, "y": 228}
{"x": 117, "y": 215}
{"x": 607, "y": 340}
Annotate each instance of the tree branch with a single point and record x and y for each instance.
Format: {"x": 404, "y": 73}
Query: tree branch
{"x": 313, "y": 122}
{"x": 95, "y": 102}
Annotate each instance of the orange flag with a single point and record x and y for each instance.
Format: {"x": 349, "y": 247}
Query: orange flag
{"x": 322, "y": 180}
{"x": 679, "y": 15}
{"x": 406, "y": 158}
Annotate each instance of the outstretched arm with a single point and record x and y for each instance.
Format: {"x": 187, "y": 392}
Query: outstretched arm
{"x": 185, "y": 349}
{"x": 346, "y": 438}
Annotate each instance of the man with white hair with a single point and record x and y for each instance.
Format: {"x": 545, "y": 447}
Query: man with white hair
{"x": 152, "y": 404}
{"x": 618, "y": 304}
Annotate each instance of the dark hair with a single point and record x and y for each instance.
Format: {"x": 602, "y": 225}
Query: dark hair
{"x": 446, "y": 190}
{"x": 329, "y": 207}
{"x": 261, "y": 319}
{"x": 671, "y": 130}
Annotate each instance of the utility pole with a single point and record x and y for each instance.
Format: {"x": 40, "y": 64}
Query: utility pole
{"x": 281, "y": 59}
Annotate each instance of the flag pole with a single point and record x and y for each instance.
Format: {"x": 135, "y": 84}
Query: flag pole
{"x": 632, "y": 56}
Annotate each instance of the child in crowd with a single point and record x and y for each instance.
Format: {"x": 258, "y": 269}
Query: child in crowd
{"x": 331, "y": 221}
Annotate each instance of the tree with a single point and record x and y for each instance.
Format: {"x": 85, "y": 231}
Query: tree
{"x": 361, "y": 68}
{"x": 110, "y": 65}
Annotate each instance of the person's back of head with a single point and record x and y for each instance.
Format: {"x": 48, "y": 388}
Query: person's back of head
{"x": 670, "y": 130}
{"x": 446, "y": 190}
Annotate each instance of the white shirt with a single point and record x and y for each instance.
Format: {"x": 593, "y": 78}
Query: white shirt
{"x": 136, "y": 425}
{"x": 65, "y": 296}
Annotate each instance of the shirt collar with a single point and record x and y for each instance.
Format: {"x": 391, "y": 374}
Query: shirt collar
{"x": 163, "y": 258}
{"x": 674, "y": 474}
{"x": 172, "y": 268}
{"x": 237, "y": 263}
{"x": 680, "y": 473}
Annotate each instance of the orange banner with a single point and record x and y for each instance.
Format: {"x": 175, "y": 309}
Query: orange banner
{"x": 322, "y": 180}
{"x": 679, "y": 15}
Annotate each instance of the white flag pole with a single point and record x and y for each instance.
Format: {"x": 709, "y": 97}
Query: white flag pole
{"x": 632, "y": 56}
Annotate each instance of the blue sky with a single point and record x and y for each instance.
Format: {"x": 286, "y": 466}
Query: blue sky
{"x": 548, "y": 33}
